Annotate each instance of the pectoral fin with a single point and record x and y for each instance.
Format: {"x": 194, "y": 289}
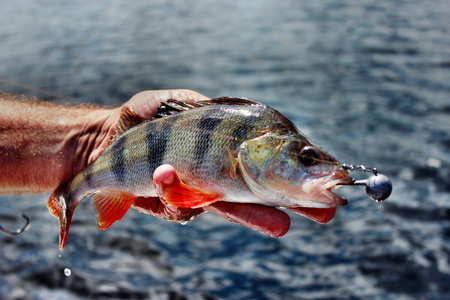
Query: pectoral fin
{"x": 111, "y": 206}
{"x": 182, "y": 195}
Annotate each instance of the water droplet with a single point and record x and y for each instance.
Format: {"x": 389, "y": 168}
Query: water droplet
{"x": 67, "y": 272}
{"x": 59, "y": 255}
{"x": 434, "y": 162}
{"x": 183, "y": 222}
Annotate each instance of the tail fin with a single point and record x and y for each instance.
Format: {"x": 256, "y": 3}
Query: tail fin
{"x": 63, "y": 210}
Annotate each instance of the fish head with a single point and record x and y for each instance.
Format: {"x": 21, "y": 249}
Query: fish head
{"x": 290, "y": 171}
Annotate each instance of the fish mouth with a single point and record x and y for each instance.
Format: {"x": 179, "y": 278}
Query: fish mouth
{"x": 324, "y": 189}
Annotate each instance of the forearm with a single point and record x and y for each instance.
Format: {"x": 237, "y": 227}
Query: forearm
{"x": 42, "y": 145}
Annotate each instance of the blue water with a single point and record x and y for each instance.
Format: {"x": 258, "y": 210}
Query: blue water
{"x": 368, "y": 80}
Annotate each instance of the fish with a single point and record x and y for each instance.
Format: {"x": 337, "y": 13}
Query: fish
{"x": 223, "y": 149}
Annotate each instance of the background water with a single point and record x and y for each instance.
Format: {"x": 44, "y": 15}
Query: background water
{"x": 368, "y": 80}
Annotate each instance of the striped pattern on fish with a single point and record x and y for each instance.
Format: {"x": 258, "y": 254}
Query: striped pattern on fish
{"x": 223, "y": 149}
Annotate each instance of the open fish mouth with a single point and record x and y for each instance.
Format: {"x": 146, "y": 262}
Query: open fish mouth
{"x": 331, "y": 198}
{"x": 322, "y": 191}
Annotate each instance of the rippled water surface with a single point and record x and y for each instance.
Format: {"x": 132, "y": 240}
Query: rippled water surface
{"x": 368, "y": 80}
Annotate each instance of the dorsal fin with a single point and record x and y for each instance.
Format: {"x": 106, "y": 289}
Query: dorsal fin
{"x": 128, "y": 119}
{"x": 173, "y": 106}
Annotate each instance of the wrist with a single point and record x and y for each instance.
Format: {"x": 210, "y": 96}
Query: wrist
{"x": 90, "y": 139}
{"x": 43, "y": 145}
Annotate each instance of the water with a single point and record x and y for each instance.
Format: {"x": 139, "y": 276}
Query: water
{"x": 67, "y": 272}
{"x": 368, "y": 80}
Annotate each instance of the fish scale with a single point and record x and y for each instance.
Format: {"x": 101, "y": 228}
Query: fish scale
{"x": 225, "y": 149}
{"x": 203, "y": 139}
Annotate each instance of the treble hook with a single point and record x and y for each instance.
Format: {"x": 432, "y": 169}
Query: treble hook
{"x": 20, "y": 230}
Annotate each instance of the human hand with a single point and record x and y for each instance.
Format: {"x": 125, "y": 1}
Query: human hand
{"x": 268, "y": 220}
{"x": 265, "y": 219}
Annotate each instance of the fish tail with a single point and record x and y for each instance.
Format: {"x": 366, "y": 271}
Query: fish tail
{"x": 62, "y": 208}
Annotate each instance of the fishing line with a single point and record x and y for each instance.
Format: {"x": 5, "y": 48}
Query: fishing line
{"x": 38, "y": 90}
{"x": 378, "y": 186}
{"x": 42, "y": 91}
{"x": 20, "y": 230}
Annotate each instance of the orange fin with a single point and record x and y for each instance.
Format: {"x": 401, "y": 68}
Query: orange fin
{"x": 111, "y": 206}
{"x": 63, "y": 209}
{"x": 180, "y": 194}
{"x": 128, "y": 119}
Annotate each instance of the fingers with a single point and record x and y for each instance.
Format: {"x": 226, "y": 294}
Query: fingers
{"x": 267, "y": 220}
{"x": 264, "y": 219}
{"x": 146, "y": 103}
{"x": 153, "y": 206}
{"x": 320, "y": 215}
{"x": 164, "y": 176}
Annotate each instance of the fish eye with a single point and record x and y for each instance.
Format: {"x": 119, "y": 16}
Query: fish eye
{"x": 309, "y": 156}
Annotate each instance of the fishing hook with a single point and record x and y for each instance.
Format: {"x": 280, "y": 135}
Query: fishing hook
{"x": 20, "y": 230}
{"x": 378, "y": 186}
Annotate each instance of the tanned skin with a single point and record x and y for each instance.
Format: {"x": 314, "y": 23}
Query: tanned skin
{"x": 44, "y": 144}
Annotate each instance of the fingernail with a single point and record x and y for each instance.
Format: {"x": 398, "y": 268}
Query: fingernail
{"x": 169, "y": 180}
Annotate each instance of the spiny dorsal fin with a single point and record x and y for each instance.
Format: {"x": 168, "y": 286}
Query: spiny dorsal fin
{"x": 173, "y": 106}
{"x": 128, "y": 119}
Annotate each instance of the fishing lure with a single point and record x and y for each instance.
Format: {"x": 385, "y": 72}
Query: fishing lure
{"x": 378, "y": 186}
